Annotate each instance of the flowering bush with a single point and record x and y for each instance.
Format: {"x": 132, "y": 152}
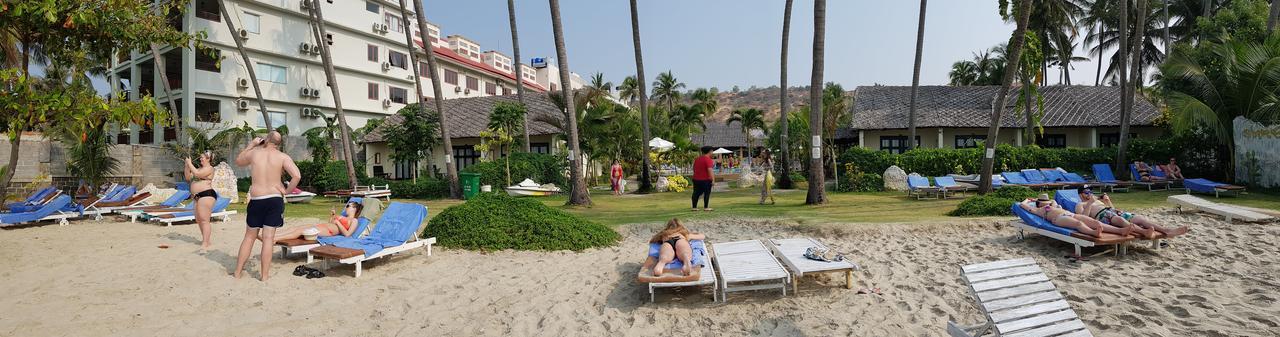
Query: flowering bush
{"x": 677, "y": 184}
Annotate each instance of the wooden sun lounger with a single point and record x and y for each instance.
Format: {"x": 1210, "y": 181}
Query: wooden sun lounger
{"x": 357, "y": 257}
{"x": 1194, "y": 203}
{"x": 1018, "y": 299}
{"x": 791, "y": 251}
{"x": 748, "y": 262}
{"x": 1077, "y": 239}
{"x": 169, "y": 219}
{"x": 294, "y": 246}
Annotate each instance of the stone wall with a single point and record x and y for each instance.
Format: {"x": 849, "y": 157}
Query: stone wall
{"x": 42, "y": 161}
{"x": 1257, "y": 153}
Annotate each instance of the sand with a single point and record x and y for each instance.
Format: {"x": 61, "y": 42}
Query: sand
{"x": 104, "y": 278}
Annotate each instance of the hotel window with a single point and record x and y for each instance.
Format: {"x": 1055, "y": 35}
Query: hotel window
{"x": 208, "y": 10}
{"x": 464, "y": 156}
{"x": 450, "y": 77}
{"x": 208, "y": 110}
{"x": 506, "y": 91}
{"x": 490, "y": 88}
{"x": 1052, "y": 141}
{"x": 377, "y": 158}
{"x": 423, "y": 70}
{"x": 373, "y": 91}
{"x": 373, "y": 53}
{"x": 398, "y": 95}
{"x": 252, "y": 22}
{"x": 272, "y": 73}
{"x": 372, "y": 7}
{"x": 970, "y": 141}
{"x": 473, "y": 83}
{"x": 543, "y": 148}
{"x": 278, "y": 119}
{"x": 397, "y": 59}
{"x": 1112, "y": 139}
{"x": 207, "y": 59}
{"x": 405, "y": 169}
{"x": 394, "y": 23}
{"x": 896, "y": 144}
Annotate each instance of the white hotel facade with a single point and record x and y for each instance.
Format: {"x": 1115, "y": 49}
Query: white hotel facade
{"x": 370, "y": 60}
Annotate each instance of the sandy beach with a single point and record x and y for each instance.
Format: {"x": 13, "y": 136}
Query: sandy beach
{"x": 108, "y": 278}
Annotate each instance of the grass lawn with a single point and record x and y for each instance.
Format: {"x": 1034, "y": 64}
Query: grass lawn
{"x": 877, "y": 207}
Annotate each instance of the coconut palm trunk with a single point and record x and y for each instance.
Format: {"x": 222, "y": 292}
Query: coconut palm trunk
{"x": 915, "y": 76}
{"x": 1271, "y": 20}
{"x": 164, "y": 79}
{"x": 248, "y": 65}
{"x": 646, "y": 186}
{"x": 344, "y": 133}
{"x": 1122, "y": 71}
{"x": 451, "y": 171}
{"x": 1139, "y": 36}
{"x": 784, "y": 179}
{"x": 817, "y": 188}
{"x": 578, "y": 196}
{"x": 417, "y": 73}
{"x": 515, "y": 49}
{"x": 1097, "y": 77}
{"x": 997, "y": 110}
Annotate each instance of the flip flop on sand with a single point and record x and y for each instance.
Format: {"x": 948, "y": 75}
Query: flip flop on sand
{"x": 301, "y": 271}
{"x": 163, "y": 246}
{"x": 869, "y": 291}
{"x": 314, "y": 274}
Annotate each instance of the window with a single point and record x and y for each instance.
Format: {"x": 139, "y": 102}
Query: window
{"x": 208, "y": 110}
{"x": 542, "y": 148}
{"x": 278, "y": 119}
{"x": 208, "y": 10}
{"x": 397, "y": 59}
{"x": 372, "y": 7}
{"x": 1112, "y": 139}
{"x": 506, "y": 91}
{"x": 394, "y": 23}
{"x": 464, "y": 156}
{"x": 373, "y": 53}
{"x": 970, "y": 141}
{"x": 398, "y": 95}
{"x": 490, "y": 88}
{"x": 405, "y": 169}
{"x": 896, "y": 144}
{"x": 373, "y": 91}
{"x": 423, "y": 70}
{"x": 171, "y": 131}
{"x": 473, "y": 83}
{"x": 272, "y": 73}
{"x": 450, "y": 77}
{"x": 1052, "y": 141}
{"x": 207, "y": 59}
{"x": 377, "y": 158}
{"x": 251, "y": 22}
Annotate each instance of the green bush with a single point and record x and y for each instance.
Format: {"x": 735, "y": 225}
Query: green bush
{"x": 1015, "y": 193}
{"x": 327, "y": 175}
{"x": 497, "y": 221}
{"x": 542, "y": 168}
{"x": 425, "y": 188}
{"x": 996, "y": 203}
{"x": 861, "y": 182}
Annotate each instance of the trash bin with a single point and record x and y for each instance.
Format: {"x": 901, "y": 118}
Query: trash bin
{"x": 470, "y": 184}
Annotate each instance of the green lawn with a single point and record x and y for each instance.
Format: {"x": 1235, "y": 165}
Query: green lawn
{"x": 878, "y": 207}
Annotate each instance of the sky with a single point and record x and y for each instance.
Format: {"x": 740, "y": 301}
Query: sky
{"x": 723, "y": 43}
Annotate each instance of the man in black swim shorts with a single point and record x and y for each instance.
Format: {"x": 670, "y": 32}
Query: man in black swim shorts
{"x": 265, "y": 213}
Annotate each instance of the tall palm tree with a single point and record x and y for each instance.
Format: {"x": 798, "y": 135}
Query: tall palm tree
{"x": 915, "y": 74}
{"x": 1109, "y": 38}
{"x": 817, "y": 187}
{"x": 784, "y": 161}
{"x": 515, "y": 49}
{"x": 413, "y": 60}
{"x": 1054, "y": 20}
{"x": 1023, "y": 11}
{"x": 248, "y": 65}
{"x": 628, "y": 90}
{"x": 1123, "y": 38}
{"x": 638, "y": 84}
{"x": 1271, "y": 19}
{"x": 451, "y": 171}
{"x": 748, "y": 119}
{"x": 598, "y": 87}
{"x": 667, "y": 89}
{"x": 578, "y": 196}
{"x": 963, "y": 72}
{"x": 318, "y": 29}
{"x": 1135, "y": 81}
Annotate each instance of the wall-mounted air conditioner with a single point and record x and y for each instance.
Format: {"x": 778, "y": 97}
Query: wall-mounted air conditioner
{"x": 386, "y": 103}
{"x": 305, "y": 48}
{"x": 244, "y": 34}
{"x": 383, "y": 28}
{"x": 242, "y": 105}
{"x": 304, "y": 92}
{"x": 310, "y": 112}
{"x": 317, "y": 49}
{"x": 305, "y": 5}
{"x": 242, "y": 83}
{"x": 386, "y": 66}
{"x": 315, "y": 92}
{"x": 380, "y": 28}
{"x": 457, "y": 89}
{"x": 467, "y": 91}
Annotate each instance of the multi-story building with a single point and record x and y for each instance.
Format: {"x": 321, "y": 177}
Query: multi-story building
{"x": 212, "y": 90}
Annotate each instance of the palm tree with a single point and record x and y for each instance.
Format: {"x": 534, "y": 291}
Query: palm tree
{"x": 915, "y": 75}
{"x": 685, "y": 118}
{"x": 1023, "y": 11}
{"x": 1136, "y": 81}
{"x": 628, "y": 91}
{"x": 748, "y": 119}
{"x": 667, "y": 89}
{"x": 1271, "y": 19}
{"x": 1096, "y": 17}
{"x": 451, "y": 171}
{"x": 318, "y": 29}
{"x": 637, "y": 85}
{"x": 1108, "y": 38}
{"x": 598, "y": 87}
{"x": 578, "y": 196}
{"x": 817, "y": 187}
{"x": 963, "y": 72}
{"x": 784, "y": 160}
{"x": 706, "y": 101}
{"x": 248, "y": 65}
{"x": 515, "y": 49}
{"x": 1054, "y": 20}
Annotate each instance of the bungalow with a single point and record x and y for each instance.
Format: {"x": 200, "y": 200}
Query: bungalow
{"x": 729, "y": 136}
{"x": 467, "y": 117}
{"x": 958, "y": 117}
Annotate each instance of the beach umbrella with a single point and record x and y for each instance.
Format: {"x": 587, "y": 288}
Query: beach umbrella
{"x": 661, "y": 145}
{"x": 721, "y": 151}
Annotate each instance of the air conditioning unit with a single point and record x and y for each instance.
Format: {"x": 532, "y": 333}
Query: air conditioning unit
{"x": 242, "y": 105}
{"x": 315, "y": 92}
{"x": 386, "y": 66}
{"x": 386, "y": 103}
{"x": 310, "y": 112}
{"x": 317, "y": 49}
{"x": 383, "y": 28}
{"x": 242, "y": 83}
{"x": 457, "y": 89}
{"x": 467, "y": 91}
{"x": 379, "y": 28}
{"x": 304, "y": 92}
{"x": 305, "y": 5}
{"x": 244, "y": 34}
{"x": 305, "y": 48}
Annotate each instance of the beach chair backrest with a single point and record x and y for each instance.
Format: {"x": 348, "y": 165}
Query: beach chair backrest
{"x": 1015, "y": 178}
{"x": 1156, "y": 171}
{"x": 1073, "y": 177}
{"x": 1034, "y": 176}
{"x": 945, "y": 181}
{"x": 1133, "y": 170}
{"x": 1053, "y": 175}
{"x": 1037, "y": 221}
{"x": 399, "y": 222}
{"x": 1068, "y": 199}
{"x": 176, "y": 198}
{"x": 122, "y": 194}
{"x": 59, "y": 203}
{"x": 362, "y": 223}
{"x": 917, "y": 181}
{"x": 220, "y": 204}
{"x": 1103, "y": 172}
{"x": 40, "y": 195}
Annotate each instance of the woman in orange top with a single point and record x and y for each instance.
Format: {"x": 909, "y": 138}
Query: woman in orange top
{"x": 337, "y": 225}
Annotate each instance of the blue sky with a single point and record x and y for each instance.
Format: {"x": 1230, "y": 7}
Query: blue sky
{"x": 723, "y": 43}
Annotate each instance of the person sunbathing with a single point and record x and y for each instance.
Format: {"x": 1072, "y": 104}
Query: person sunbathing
{"x": 1049, "y": 210}
{"x": 1144, "y": 172}
{"x": 1105, "y": 212}
{"x": 337, "y": 225}
{"x": 1172, "y": 170}
{"x": 674, "y": 244}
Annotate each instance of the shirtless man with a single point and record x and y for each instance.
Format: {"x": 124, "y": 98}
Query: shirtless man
{"x": 1102, "y": 210}
{"x": 1049, "y": 210}
{"x": 265, "y": 212}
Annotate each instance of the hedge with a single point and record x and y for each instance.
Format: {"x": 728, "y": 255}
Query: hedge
{"x": 996, "y": 203}
{"x": 542, "y": 168}
{"x": 494, "y": 221}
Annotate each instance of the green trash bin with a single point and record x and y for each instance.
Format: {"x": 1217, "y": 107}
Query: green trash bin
{"x": 470, "y": 185}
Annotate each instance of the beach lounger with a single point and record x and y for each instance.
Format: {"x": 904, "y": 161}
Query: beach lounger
{"x": 219, "y": 210}
{"x": 1230, "y": 212}
{"x": 748, "y": 262}
{"x": 1208, "y": 186}
{"x": 174, "y": 200}
{"x": 1018, "y": 299}
{"x": 948, "y": 186}
{"x": 1154, "y": 184}
{"x": 301, "y": 245}
{"x": 35, "y": 197}
{"x": 1027, "y": 222}
{"x": 919, "y": 187}
{"x": 1035, "y": 177}
{"x": 704, "y": 275}
{"x": 372, "y": 191}
{"x": 1068, "y": 199}
{"x": 396, "y": 231}
{"x": 52, "y": 210}
{"x": 1053, "y": 175}
{"x": 33, "y": 206}
{"x": 976, "y": 179}
{"x": 791, "y": 251}
{"x": 1102, "y": 173}
{"x": 1016, "y": 178}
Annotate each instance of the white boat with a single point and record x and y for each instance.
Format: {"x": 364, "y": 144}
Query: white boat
{"x": 299, "y": 197}
{"x": 529, "y": 188}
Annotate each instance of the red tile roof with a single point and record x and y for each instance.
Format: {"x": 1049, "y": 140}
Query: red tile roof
{"x": 450, "y": 54}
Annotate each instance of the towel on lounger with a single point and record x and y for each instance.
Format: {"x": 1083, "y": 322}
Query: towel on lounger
{"x": 699, "y": 250}
{"x": 399, "y": 222}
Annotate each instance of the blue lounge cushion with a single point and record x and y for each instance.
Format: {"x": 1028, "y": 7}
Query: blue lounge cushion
{"x": 398, "y": 222}
{"x": 699, "y": 251}
{"x": 1068, "y": 199}
{"x": 1103, "y": 173}
{"x": 1015, "y": 178}
{"x": 1038, "y": 222}
{"x": 45, "y": 210}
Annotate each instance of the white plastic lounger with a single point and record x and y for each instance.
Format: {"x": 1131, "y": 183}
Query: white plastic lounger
{"x": 1018, "y": 299}
{"x": 225, "y": 215}
{"x": 1194, "y": 203}
{"x": 373, "y": 191}
{"x": 707, "y": 276}
{"x": 791, "y": 251}
{"x": 748, "y": 262}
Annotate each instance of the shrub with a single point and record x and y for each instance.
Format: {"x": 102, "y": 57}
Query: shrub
{"x": 996, "y": 203}
{"x": 425, "y": 188}
{"x": 1015, "y": 193}
{"x": 327, "y": 175}
{"x": 677, "y": 184}
{"x": 497, "y": 221}
{"x": 543, "y": 168}
{"x": 861, "y": 182}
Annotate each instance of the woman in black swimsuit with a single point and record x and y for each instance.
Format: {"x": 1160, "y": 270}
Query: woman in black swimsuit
{"x": 675, "y": 244}
{"x": 202, "y": 194}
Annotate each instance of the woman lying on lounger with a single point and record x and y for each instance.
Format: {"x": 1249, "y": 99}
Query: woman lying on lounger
{"x": 1049, "y": 210}
{"x": 1102, "y": 210}
{"x": 337, "y": 225}
{"x": 1144, "y": 172}
{"x": 674, "y": 240}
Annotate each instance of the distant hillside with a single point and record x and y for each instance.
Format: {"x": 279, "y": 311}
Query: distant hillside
{"x": 765, "y": 99}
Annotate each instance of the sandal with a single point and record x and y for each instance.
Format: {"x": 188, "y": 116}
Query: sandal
{"x": 301, "y": 271}
{"x": 314, "y": 274}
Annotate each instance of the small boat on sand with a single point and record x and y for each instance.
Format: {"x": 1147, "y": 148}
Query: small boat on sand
{"x": 529, "y": 188}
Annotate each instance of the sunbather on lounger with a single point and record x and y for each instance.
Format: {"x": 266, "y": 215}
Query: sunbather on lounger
{"x": 337, "y": 225}
{"x": 1049, "y": 210}
{"x": 675, "y": 245}
{"x": 1172, "y": 170}
{"x": 1104, "y": 211}
{"x": 1144, "y": 172}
